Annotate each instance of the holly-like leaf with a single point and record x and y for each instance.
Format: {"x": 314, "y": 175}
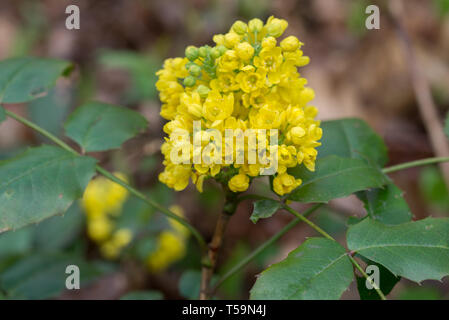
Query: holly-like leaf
{"x": 28, "y": 78}
{"x": 414, "y": 250}
{"x": 40, "y": 183}
{"x": 335, "y": 177}
{"x": 352, "y": 138}
{"x": 264, "y": 209}
{"x": 318, "y": 269}
{"x": 386, "y": 204}
{"x": 387, "y": 281}
{"x": 97, "y": 126}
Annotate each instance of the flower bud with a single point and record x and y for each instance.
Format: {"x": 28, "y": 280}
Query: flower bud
{"x": 276, "y": 27}
{"x": 239, "y": 27}
{"x": 195, "y": 70}
{"x": 203, "y": 51}
{"x": 255, "y": 25}
{"x": 203, "y": 91}
{"x": 244, "y": 50}
{"x": 191, "y": 53}
{"x": 189, "y": 81}
{"x": 231, "y": 39}
{"x": 222, "y": 49}
{"x": 218, "y": 39}
{"x": 215, "y": 53}
{"x": 290, "y": 43}
{"x": 296, "y": 133}
{"x": 268, "y": 43}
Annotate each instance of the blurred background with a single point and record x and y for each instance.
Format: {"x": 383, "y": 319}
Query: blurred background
{"x": 355, "y": 72}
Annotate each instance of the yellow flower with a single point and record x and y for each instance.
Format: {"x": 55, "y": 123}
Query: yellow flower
{"x": 229, "y": 61}
{"x": 270, "y": 60}
{"x": 276, "y": 27}
{"x": 285, "y": 183}
{"x": 247, "y": 81}
{"x": 245, "y": 51}
{"x": 250, "y": 79}
{"x": 239, "y": 183}
{"x": 171, "y": 248}
{"x": 218, "y": 106}
{"x": 290, "y": 43}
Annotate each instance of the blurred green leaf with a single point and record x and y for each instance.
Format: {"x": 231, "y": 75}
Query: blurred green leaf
{"x": 143, "y": 295}
{"x": 97, "y": 126}
{"x": 234, "y": 286}
{"x": 59, "y": 232}
{"x": 420, "y": 294}
{"x": 15, "y": 242}
{"x": 442, "y": 7}
{"x": 189, "y": 284}
{"x": 414, "y": 250}
{"x": 28, "y": 78}
{"x": 42, "y": 276}
{"x": 386, "y": 204}
{"x": 40, "y": 183}
{"x": 330, "y": 221}
{"x": 352, "y": 138}
{"x": 309, "y": 272}
{"x": 356, "y": 17}
{"x": 264, "y": 209}
{"x": 446, "y": 122}
{"x": 2, "y": 114}
{"x": 142, "y": 69}
{"x": 335, "y": 177}
{"x": 433, "y": 188}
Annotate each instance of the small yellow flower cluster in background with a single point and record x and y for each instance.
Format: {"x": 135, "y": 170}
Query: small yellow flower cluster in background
{"x": 102, "y": 202}
{"x": 171, "y": 244}
{"x": 247, "y": 81}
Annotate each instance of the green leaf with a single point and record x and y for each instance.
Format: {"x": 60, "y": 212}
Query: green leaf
{"x": 143, "y": 295}
{"x": 40, "y": 183}
{"x": 97, "y": 126}
{"x": 25, "y": 79}
{"x": 50, "y": 111}
{"x": 189, "y": 284}
{"x": 387, "y": 281}
{"x": 264, "y": 209}
{"x": 318, "y": 269}
{"x": 414, "y": 250}
{"x": 386, "y": 204}
{"x": 446, "y": 125}
{"x": 352, "y": 138}
{"x": 42, "y": 276}
{"x": 2, "y": 114}
{"x": 335, "y": 177}
{"x": 59, "y": 232}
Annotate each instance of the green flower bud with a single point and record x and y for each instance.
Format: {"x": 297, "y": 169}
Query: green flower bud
{"x": 195, "y": 70}
{"x": 222, "y": 49}
{"x": 239, "y": 27}
{"x": 189, "y": 81}
{"x": 215, "y": 53}
{"x": 203, "y": 91}
{"x": 191, "y": 53}
{"x": 255, "y": 25}
{"x": 203, "y": 51}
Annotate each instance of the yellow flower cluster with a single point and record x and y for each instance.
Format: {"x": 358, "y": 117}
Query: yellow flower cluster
{"x": 246, "y": 81}
{"x": 102, "y": 202}
{"x": 171, "y": 244}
